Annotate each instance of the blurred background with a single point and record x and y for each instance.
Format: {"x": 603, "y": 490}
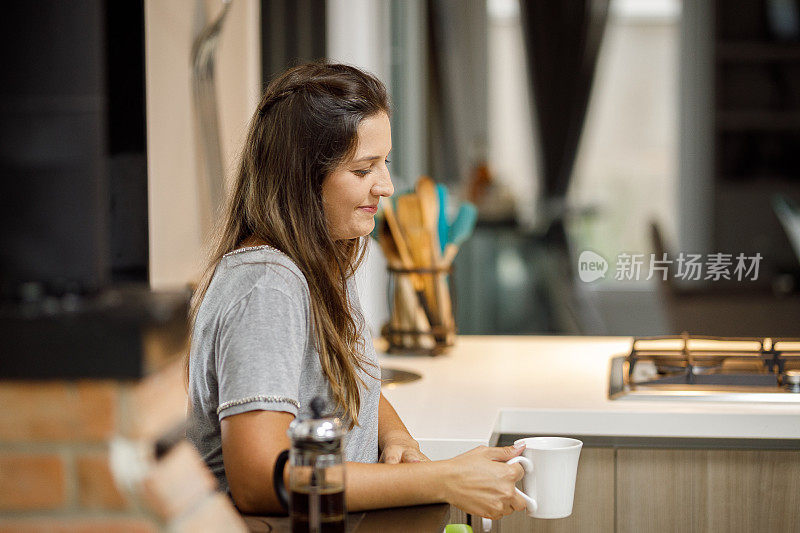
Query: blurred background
{"x": 617, "y": 126}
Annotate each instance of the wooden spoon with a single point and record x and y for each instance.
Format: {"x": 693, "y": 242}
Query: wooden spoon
{"x": 429, "y": 206}
{"x": 429, "y": 199}
{"x": 399, "y": 240}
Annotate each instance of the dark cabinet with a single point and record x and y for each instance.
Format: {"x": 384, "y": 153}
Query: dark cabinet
{"x": 755, "y": 128}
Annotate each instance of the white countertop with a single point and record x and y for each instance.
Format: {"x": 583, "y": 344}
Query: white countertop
{"x": 554, "y": 385}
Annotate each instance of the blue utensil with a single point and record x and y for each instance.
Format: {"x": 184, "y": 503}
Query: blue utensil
{"x": 441, "y": 192}
{"x": 462, "y": 228}
{"x": 464, "y": 224}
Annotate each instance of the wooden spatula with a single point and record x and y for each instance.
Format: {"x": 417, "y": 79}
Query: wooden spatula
{"x": 429, "y": 210}
{"x": 429, "y": 199}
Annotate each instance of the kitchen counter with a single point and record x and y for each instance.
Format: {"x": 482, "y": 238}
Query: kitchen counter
{"x": 491, "y": 385}
{"x": 401, "y": 519}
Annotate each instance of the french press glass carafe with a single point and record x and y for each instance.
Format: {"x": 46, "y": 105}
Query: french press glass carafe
{"x": 316, "y": 474}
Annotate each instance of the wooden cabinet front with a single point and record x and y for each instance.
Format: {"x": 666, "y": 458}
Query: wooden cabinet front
{"x": 654, "y": 490}
{"x": 708, "y": 490}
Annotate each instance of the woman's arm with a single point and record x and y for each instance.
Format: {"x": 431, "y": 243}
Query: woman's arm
{"x": 395, "y": 443}
{"x": 251, "y": 442}
{"x": 478, "y": 481}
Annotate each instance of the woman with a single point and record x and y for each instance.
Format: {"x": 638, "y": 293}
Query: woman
{"x": 276, "y": 318}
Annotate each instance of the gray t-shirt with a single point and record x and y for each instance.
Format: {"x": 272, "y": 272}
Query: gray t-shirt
{"x": 253, "y": 349}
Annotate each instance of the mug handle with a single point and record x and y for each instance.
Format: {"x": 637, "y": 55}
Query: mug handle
{"x": 532, "y": 505}
{"x": 277, "y": 480}
{"x": 528, "y": 466}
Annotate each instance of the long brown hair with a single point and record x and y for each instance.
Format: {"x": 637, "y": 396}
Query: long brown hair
{"x": 305, "y": 126}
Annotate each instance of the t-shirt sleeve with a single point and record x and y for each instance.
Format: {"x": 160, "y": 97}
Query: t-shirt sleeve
{"x": 261, "y": 345}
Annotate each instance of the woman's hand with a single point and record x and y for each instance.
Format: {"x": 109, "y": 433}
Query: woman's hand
{"x": 480, "y": 482}
{"x": 401, "y": 449}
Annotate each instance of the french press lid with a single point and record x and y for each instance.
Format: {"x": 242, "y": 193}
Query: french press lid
{"x": 316, "y": 429}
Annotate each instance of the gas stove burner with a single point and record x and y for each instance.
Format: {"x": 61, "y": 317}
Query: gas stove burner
{"x": 668, "y": 367}
{"x": 694, "y": 355}
{"x": 709, "y": 368}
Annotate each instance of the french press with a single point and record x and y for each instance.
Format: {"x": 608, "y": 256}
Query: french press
{"x": 315, "y": 499}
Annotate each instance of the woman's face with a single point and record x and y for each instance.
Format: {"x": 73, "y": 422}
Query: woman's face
{"x": 350, "y": 193}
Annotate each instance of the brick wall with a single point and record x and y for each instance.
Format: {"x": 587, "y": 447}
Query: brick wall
{"x": 80, "y": 457}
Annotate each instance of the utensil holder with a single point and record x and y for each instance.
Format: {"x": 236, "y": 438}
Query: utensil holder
{"x": 421, "y": 311}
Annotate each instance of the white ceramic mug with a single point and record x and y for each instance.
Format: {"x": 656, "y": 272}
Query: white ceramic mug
{"x": 551, "y": 464}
